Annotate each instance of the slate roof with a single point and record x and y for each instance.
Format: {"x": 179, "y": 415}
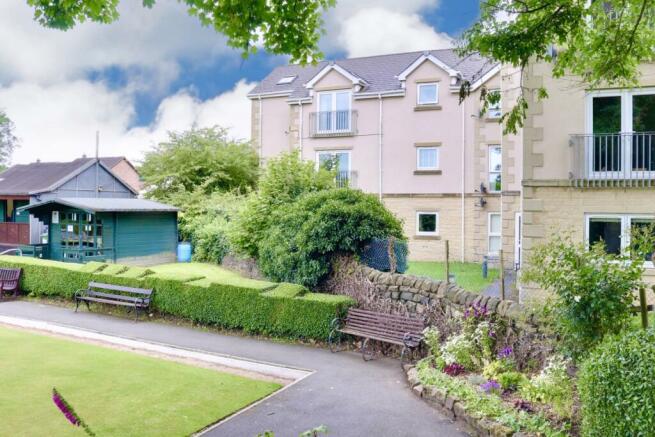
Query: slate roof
{"x": 103, "y": 204}
{"x": 40, "y": 177}
{"x": 379, "y": 72}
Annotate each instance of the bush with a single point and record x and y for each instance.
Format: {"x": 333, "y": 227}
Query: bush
{"x": 286, "y": 178}
{"x": 617, "y": 387}
{"x": 305, "y": 234}
{"x": 552, "y": 386}
{"x": 228, "y": 306}
{"x": 594, "y": 290}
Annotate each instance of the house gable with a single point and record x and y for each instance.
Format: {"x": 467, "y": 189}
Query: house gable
{"x": 83, "y": 184}
{"x": 328, "y": 69}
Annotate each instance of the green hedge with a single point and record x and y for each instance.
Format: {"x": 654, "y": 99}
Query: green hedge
{"x": 617, "y": 387}
{"x": 227, "y": 306}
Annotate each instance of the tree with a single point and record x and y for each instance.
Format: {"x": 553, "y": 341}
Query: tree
{"x": 601, "y": 42}
{"x": 285, "y": 27}
{"x": 203, "y": 160}
{"x": 8, "y": 141}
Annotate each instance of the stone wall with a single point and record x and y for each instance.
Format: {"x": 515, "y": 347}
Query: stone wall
{"x": 418, "y": 293}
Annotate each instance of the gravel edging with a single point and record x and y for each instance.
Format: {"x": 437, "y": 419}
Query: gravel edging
{"x": 455, "y": 410}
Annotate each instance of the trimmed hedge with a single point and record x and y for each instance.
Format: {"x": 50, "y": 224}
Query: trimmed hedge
{"x": 136, "y": 272}
{"x": 617, "y": 386}
{"x": 114, "y": 269}
{"x": 227, "y": 306}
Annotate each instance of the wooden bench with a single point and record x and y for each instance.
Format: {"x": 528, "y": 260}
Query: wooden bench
{"x": 135, "y": 298}
{"x": 405, "y": 331}
{"x": 9, "y": 281}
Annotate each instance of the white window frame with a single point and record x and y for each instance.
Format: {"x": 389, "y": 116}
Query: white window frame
{"x": 494, "y": 111}
{"x": 626, "y": 128}
{"x": 491, "y": 234}
{"x": 333, "y": 153}
{"x": 333, "y": 111}
{"x": 436, "y": 223}
{"x": 418, "y": 93}
{"x": 418, "y": 158}
{"x": 494, "y": 172}
{"x": 626, "y": 224}
{"x": 286, "y": 80}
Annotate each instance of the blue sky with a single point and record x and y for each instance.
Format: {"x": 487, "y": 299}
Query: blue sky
{"x": 159, "y": 70}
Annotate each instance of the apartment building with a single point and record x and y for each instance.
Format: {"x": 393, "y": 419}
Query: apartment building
{"x": 588, "y": 161}
{"x": 393, "y": 125}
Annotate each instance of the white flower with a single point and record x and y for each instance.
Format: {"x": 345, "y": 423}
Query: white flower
{"x": 577, "y": 298}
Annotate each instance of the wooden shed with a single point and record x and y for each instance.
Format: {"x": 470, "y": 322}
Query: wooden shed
{"x": 122, "y": 230}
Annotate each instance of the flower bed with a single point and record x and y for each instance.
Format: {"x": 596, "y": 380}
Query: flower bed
{"x": 476, "y": 374}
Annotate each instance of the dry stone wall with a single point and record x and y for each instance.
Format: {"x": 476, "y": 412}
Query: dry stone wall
{"x": 418, "y": 293}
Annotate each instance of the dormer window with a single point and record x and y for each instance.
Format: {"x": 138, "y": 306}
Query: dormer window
{"x": 427, "y": 93}
{"x": 286, "y": 79}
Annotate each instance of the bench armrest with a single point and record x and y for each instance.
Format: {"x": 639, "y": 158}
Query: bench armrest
{"x": 410, "y": 337}
{"x": 336, "y": 323}
{"x": 80, "y": 293}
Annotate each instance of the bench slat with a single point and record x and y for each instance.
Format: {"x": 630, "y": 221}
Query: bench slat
{"x": 113, "y": 287}
{"x": 109, "y": 301}
{"x": 93, "y": 293}
{"x": 373, "y": 330}
{"x": 386, "y": 323}
{"x": 357, "y": 311}
{"x": 382, "y": 338}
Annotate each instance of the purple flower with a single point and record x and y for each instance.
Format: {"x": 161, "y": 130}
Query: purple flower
{"x": 64, "y": 408}
{"x": 453, "y": 369}
{"x": 506, "y": 352}
{"x": 522, "y": 405}
{"x": 490, "y": 386}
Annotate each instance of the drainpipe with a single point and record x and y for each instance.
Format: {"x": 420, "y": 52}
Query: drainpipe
{"x": 463, "y": 218}
{"x": 300, "y": 129}
{"x": 97, "y": 163}
{"x": 380, "y": 149}
{"x": 261, "y": 148}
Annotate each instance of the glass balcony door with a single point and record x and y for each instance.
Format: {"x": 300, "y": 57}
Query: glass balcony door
{"x": 620, "y": 142}
{"x": 334, "y": 112}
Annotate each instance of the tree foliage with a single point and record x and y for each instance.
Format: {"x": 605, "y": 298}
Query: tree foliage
{"x": 198, "y": 160}
{"x": 601, "y": 42}
{"x": 285, "y": 179}
{"x": 305, "y": 234}
{"x": 8, "y": 141}
{"x": 284, "y": 27}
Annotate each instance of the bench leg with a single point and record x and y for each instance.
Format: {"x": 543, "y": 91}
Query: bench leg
{"x": 367, "y": 353}
{"x": 77, "y": 304}
{"x": 404, "y": 356}
{"x": 334, "y": 341}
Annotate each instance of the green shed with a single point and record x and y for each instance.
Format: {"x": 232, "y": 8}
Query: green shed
{"x": 122, "y": 230}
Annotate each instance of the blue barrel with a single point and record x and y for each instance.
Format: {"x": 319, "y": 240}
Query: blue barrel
{"x": 184, "y": 252}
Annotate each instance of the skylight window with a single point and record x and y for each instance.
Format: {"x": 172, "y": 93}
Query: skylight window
{"x": 286, "y": 79}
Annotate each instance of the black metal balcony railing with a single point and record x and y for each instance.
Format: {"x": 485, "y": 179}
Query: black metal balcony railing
{"x": 346, "y": 179}
{"x": 621, "y": 159}
{"x": 332, "y": 123}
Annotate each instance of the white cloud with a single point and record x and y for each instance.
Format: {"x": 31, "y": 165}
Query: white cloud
{"x": 375, "y": 27}
{"x": 58, "y": 121}
{"x": 151, "y": 40}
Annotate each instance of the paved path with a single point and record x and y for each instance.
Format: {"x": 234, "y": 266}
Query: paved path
{"x": 349, "y": 396}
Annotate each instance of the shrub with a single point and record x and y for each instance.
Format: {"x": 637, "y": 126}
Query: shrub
{"x": 224, "y": 305}
{"x": 617, "y": 386}
{"x": 286, "y": 178}
{"x": 496, "y": 368}
{"x": 460, "y": 349}
{"x": 306, "y": 234}
{"x": 552, "y": 386}
{"x": 594, "y": 290}
{"x": 511, "y": 380}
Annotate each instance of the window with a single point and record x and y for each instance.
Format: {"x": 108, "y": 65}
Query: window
{"x": 286, "y": 80}
{"x": 427, "y": 223}
{"x": 334, "y": 111}
{"x": 620, "y": 126}
{"x": 494, "y": 233}
{"x": 81, "y": 235}
{"x": 427, "y": 158}
{"x": 614, "y": 230}
{"x": 427, "y": 93}
{"x": 493, "y": 110}
{"x": 339, "y": 161}
{"x": 495, "y": 168}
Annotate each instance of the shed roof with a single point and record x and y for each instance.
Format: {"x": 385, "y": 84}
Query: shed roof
{"x": 380, "y": 73}
{"x": 40, "y": 177}
{"x": 103, "y": 204}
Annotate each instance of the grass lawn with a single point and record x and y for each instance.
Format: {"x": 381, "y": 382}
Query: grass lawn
{"x": 116, "y": 393}
{"x": 467, "y": 275}
{"x": 210, "y": 273}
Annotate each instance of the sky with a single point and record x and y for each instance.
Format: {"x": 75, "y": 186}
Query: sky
{"x": 158, "y": 70}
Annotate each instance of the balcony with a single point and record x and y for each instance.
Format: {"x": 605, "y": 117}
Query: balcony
{"x": 346, "y": 179}
{"x": 332, "y": 124}
{"x": 613, "y": 160}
